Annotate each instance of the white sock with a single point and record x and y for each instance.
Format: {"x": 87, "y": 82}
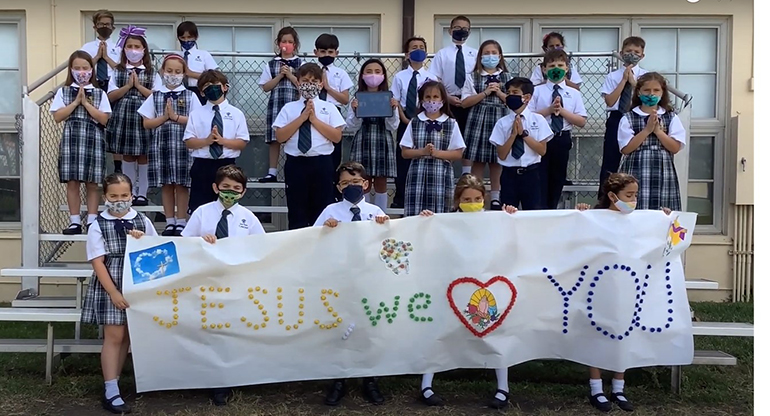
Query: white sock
{"x": 466, "y": 169}
{"x": 111, "y": 390}
{"x": 381, "y": 200}
{"x": 170, "y": 221}
{"x": 427, "y": 382}
{"x": 596, "y": 388}
{"x": 143, "y": 182}
{"x": 129, "y": 169}
{"x": 272, "y": 171}
{"x": 91, "y": 218}
{"x": 74, "y": 219}
{"x": 181, "y": 221}
{"x": 617, "y": 385}
{"x": 495, "y": 195}
{"x": 502, "y": 382}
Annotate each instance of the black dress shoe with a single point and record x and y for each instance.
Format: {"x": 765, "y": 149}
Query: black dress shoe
{"x": 219, "y": 396}
{"x": 268, "y": 179}
{"x": 498, "y": 404}
{"x": 335, "y": 394}
{"x": 140, "y": 201}
{"x": 73, "y": 229}
{"x": 372, "y": 392}
{"x": 622, "y": 402}
{"x": 169, "y": 231}
{"x": 495, "y": 205}
{"x": 432, "y": 400}
{"x": 178, "y": 230}
{"x": 604, "y": 406}
{"x": 108, "y": 404}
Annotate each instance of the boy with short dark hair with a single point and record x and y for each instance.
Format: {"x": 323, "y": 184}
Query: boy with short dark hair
{"x": 308, "y": 127}
{"x": 352, "y": 183}
{"x": 215, "y": 134}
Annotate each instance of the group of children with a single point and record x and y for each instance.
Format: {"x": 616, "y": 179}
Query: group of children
{"x": 174, "y": 128}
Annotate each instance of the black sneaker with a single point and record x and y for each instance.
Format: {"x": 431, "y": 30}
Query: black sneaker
{"x": 604, "y": 406}
{"x": 622, "y": 402}
{"x": 269, "y": 178}
{"x": 432, "y": 400}
{"x": 169, "y": 231}
{"x": 73, "y": 229}
{"x": 495, "y": 205}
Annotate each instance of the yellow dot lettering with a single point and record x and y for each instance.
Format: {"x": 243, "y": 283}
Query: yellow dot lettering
{"x": 301, "y": 313}
{"x": 256, "y": 327}
{"x": 187, "y": 289}
{"x": 211, "y": 289}
{"x": 334, "y": 314}
{"x": 175, "y": 302}
{"x": 213, "y": 305}
{"x": 336, "y": 294}
{"x": 279, "y": 297}
{"x": 248, "y": 324}
{"x": 301, "y": 298}
{"x": 280, "y": 305}
{"x": 323, "y": 297}
{"x": 174, "y": 291}
{"x": 174, "y": 295}
{"x": 280, "y": 313}
{"x": 280, "y": 290}
{"x": 203, "y": 305}
{"x": 339, "y": 320}
{"x": 204, "y": 326}
{"x": 227, "y": 325}
{"x": 334, "y": 324}
{"x": 176, "y": 316}
{"x": 168, "y": 322}
{"x": 251, "y": 296}
{"x": 159, "y": 293}
{"x": 203, "y": 289}
{"x": 296, "y": 326}
{"x": 203, "y": 297}
{"x": 280, "y": 322}
{"x": 323, "y": 291}
{"x": 161, "y": 322}
{"x": 175, "y": 323}
{"x": 203, "y": 312}
{"x": 221, "y": 305}
{"x": 326, "y": 301}
{"x": 204, "y": 319}
{"x": 251, "y": 290}
{"x": 219, "y": 326}
{"x": 258, "y": 289}
{"x": 301, "y": 290}
{"x": 219, "y": 289}
{"x": 260, "y": 306}
{"x": 212, "y": 326}
{"x": 263, "y": 325}
{"x": 288, "y": 327}
{"x": 316, "y": 322}
{"x": 264, "y": 291}
{"x": 166, "y": 293}
{"x": 227, "y": 290}
{"x": 264, "y": 312}
{"x": 176, "y": 309}
{"x": 243, "y": 319}
{"x": 155, "y": 318}
{"x": 267, "y": 319}
{"x": 300, "y": 322}
{"x": 330, "y": 309}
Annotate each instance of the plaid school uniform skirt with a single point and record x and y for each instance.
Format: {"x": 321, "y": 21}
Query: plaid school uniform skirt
{"x": 653, "y": 166}
{"x": 284, "y": 92}
{"x": 481, "y": 121}
{"x": 168, "y": 157}
{"x": 97, "y": 305}
{"x": 373, "y": 147}
{"x": 429, "y": 181}
{"x": 81, "y": 149}
{"x": 126, "y": 134}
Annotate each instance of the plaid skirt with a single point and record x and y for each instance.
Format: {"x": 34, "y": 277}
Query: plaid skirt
{"x": 373, "y": 146}
{"x": 97, "y": 305}
{"x": 126, "y": 134}
{"x": 169, "y": 158}
{"x": 653, "y": 166}
{"x": 284, "y": 92}
{"x": 429, "y": 185}
{"x": 81, "y": 151}
{"x": 481, "y": 121}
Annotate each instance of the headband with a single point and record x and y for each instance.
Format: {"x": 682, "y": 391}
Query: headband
{"x": 131, "y": 30}
{"x": 173, "y": 56}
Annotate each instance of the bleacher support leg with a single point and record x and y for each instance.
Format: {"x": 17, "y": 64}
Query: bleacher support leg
{"x": 49, "y": 355}
{"x": 676, "y": 379}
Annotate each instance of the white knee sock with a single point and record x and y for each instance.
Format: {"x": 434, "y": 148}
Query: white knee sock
{"x": 181, "y": 221}
{"x": 272, "y": 171}
{"x": 617, "y": 385}
{"x": 494, "y": 195}
{"x": 74, "y": 219}
{"x": 143, "y": 182}
{"x": 596, "y": 388}
{"x": 502, "y": 381}
{"x": 466, "y": 169}
{"x": 427, "y": 382}
{"x": 381, "y": 200}
{"x": 91, "y": 218}
{"x": 170, "y": 221}
{"x": 111, "y": 390}
{"x": 129, "y": 169}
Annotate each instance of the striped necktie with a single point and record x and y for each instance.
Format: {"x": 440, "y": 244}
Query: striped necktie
{"x": 411, "y": 96}
{"x": 215, "y": 149}
{"x": 356, "y": 213}
{"x": 557, "y": 122}
{"x": 459, "y": 67}
{"x": 624, "y": 102}
{"x": 323, "y": 94}
{"x": 222, "y": 227}
{"x": 185, "y": 82}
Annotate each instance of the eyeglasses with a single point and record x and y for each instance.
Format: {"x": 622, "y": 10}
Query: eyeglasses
{"x": 466, "y": 28}
{"x": 351, "y": 182}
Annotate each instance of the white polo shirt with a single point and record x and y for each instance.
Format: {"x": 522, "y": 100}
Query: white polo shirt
{"x": 469, "y": 89}
{"x": 612, "y": 80}
{"x": 626, "y": 133}
{"x": 324, "y": 111}
{"x": 537, "y": 77}
{"x": 147, "y": 110}
{"x": 233, "y": 127}
{"x": 455, "y": 142}
{"x": 339, "y": 80}
{"x": 95, "y": 246}
{"x": 340, "y": 211}
{"x": 198, "y": 61}
{"x": 571, "y": 100}
{"x": 58, "y": 99}
{"x": 400, "y": 87}
{"x": 113, "y": 51}
{"x": 443, "y": 66}
{"x": 538, "y": 129}
{"x": 204, "y": 221}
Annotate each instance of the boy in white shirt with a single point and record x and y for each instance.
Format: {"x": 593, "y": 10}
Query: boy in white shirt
{"x": 215, "y": 134}
{"x": 351, "y": 182}
{"x": 521, "y": 138}
{"x": 618, "y": 91}
{"x": 563, "y": 107}
{"x": 309, "y": 127}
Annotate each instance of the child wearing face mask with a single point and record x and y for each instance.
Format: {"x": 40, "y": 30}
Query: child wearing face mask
{"x": 165, "y": 113}
{"x": 131, "y": 84}
{"x": 373, "y": 145}
{"x": 279, "y": 77}
{"x": 85, "y": 111}
{"x": 432, "y": 140}
{"x": 469, "y": 196}
{"x": 555, "y": 41}
{"x": 648, "y": 137}
{"x": 483, "y": 95}
{"x": 352, "y": 183}
{"x": 104, "y": 303}
{"x": 618, "y": 90}
{"x": 309, "y": 127}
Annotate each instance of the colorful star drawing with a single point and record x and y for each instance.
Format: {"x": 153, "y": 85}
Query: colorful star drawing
{"x": 677, "y": 233}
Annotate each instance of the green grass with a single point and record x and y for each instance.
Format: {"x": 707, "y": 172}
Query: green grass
{"x": 538, "y": 388}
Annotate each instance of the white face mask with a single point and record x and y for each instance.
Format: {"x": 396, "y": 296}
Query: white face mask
{"x": 173, "y": 80}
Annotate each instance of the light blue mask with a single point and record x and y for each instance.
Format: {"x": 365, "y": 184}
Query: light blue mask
{"x": 490, "y": 61}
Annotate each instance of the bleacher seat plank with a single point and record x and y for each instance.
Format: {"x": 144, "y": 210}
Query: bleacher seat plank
{"x": 61, "y": 346}
{"x": 723, "y": 329}
{"x": 703, "y": 357}
{"x": 62, "y": 302}
{"x": 39, "y": 315}
{"x": 46, "y": 272}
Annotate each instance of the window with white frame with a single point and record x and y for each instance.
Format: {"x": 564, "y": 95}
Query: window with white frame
{"x": 11, "y": 78}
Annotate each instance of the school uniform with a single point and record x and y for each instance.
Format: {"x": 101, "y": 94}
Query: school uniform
{"x": 81, "y": 149}
{"x": 520, "y": 181}
{"x": 338, "y": 79}
{"x": 198, "y": 61}
{"x": 107, "y": 237}
{"x": 207, "y": 218}
{"x": 126, "y": 134}
{"x": 406, "y": 84}
{"x": 104, "y": 72}
{"x": 445, "y": 67}
{"x": 651, "y": 164}
{"x": 610, "y": 151}
{"x": 169, "y": 158}
{"x": 538, "y": 77}
{"x": 308, "y": 170}
{"x": 345, "y": 211}
{"x": 373, "y": 145}
{"x": 283, "y": 93}
{"x": 207, "y": 160}
{"x": 430, "y": 181}
{"x": 554, "y": 163}
{"x": 483, "y": 116}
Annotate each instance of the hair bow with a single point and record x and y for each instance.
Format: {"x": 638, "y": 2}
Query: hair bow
{"x": 492, "y": 78}
{"x": 123, "y": 226}
{"x": 433, "y": 125}
{"x": 171, "y": 94}
{"x": 131, "y": 30}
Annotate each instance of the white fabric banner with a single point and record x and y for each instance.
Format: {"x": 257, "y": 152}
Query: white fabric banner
{"x": 414, "y": 295}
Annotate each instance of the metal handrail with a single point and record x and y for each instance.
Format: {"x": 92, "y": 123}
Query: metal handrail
{"x": 382, "y": 55}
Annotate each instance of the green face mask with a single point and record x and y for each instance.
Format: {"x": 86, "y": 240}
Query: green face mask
{"x": 229, "y": 197}
{"x": 555, "y": 74}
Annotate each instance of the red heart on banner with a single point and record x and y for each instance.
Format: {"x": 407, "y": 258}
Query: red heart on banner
{"x": 461, "y": 315}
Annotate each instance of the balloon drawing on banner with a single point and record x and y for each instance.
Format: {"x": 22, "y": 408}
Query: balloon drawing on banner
{"x": 482, "y": 313}
{"x": 395, "y": 254}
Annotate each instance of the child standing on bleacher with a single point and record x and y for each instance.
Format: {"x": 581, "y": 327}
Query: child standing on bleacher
{"x": 555, "y": 41}
{"x": 165, "y": 112}
{"x": 81, "y": 150}
{"x": 104, "y": 303}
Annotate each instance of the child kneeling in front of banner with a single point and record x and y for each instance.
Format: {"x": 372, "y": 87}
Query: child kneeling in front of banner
{"x": 104, "y": 303}
{"x": 351, "y": 182}
{"x": 619, "y": 193}
{"x": 222, "y": 219}
{"x": 469, "y": 197}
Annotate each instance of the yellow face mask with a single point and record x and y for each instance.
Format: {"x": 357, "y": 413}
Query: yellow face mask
{"x": 471, "y": 206}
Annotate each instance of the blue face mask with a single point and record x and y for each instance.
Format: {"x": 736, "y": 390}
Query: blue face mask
{"x": 649, "y": 100}
{"x": 353, "y": 193}
{"x": 418, "y": 55}
{"x": 187, "y": 44}
{"x": 490, "y": 61}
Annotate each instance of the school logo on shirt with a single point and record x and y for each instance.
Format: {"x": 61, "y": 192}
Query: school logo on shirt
{"x": 198, "y": 59}
{"x": 567, "y": 94}
{"x": 324, "y": 111}
{"x": 243, "y": 224}
{"x": 228, "y": 116}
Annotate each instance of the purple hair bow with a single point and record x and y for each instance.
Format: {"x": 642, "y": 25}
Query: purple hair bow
{"x": 131, "y": 30}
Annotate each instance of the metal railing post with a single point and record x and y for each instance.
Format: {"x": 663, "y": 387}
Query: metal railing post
{"x": 30, "y": 190}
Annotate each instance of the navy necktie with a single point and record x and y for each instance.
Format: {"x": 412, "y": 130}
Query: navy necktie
{"x": 356, "y": 213}
{"x": 411, "y": 96}
{"x": 222, "y": 228}
{"x": 215, "y": 149}
{"x": 322, "y": 95}
{"x": 305, "y": 137}
{"x": 624, "y": 102}
{"x": 102, "y": 72}
{"x": 518, "y": 147}
{"x": 459, "y": 67}
{"x": 185, "y": 82}
{"x": 557, "y": 122}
